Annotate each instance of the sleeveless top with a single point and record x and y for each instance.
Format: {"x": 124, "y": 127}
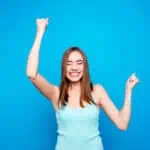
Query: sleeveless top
{"x": 79, "y": 123}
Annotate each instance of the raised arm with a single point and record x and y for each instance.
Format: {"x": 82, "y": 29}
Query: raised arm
{"x": 47, "y": 89}
{"x": 121, "y": 117}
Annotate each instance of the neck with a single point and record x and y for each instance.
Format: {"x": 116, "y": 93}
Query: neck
{"x": 74, "y": 90}
{"x": 75, "y": 85}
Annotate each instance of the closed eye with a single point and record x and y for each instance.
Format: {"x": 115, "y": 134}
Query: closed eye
{"x": 78, "y": 62}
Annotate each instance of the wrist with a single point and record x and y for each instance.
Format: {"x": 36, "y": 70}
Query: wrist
{"x": 39, "y": 34}
{"x": 128, "y": 89}
{"x": 128, "y": 92}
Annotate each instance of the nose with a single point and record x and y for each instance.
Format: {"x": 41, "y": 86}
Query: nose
{"x": 74, "y": 66}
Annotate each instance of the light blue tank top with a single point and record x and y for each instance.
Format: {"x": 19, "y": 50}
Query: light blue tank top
{"x": 78, "y": 126}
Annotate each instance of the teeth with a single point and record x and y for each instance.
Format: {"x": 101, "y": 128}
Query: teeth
{"x": 74, "y": 74}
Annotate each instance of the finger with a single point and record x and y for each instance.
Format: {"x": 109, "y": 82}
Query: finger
{"x": 133, "y": 75}
{"x": 131, "y": 78}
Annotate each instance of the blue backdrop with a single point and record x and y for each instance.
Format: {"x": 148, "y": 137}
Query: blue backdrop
{"x": 115, "y": 37}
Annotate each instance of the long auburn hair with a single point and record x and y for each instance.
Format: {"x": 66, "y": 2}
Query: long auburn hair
{"x": 85, "y": 83}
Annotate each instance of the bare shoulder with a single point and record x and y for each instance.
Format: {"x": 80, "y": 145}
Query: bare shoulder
{"x": 98, "y": 87}
{"x": 48, "y": 89}
{"x": 97, "y": 90}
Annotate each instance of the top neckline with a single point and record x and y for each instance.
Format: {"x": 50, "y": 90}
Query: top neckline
{"x": 74, "y": 108}
{"x": 77, "y": 108}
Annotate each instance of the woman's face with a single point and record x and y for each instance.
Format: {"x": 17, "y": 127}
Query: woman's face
{"x": 74, "y": 66}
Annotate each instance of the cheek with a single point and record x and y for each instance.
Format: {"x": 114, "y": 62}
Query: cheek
{"x": 68, "y": 68}
{"x": 82, "y": 68}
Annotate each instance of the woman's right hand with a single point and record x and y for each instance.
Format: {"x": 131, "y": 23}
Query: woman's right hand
{"x": 41, "y": 25}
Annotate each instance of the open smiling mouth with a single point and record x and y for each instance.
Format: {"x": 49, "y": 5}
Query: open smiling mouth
{"x": 74, "y": 74}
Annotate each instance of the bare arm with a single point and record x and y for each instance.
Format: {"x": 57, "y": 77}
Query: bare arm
{"x": 33, "y": 58}
{"x": 121, "y": 117}
{"x": 125, "y": 112}
{"x": 47, "y": 89}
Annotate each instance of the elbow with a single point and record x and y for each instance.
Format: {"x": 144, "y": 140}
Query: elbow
{"x": 31, "y": 75}
{"x": 122, "y": 126}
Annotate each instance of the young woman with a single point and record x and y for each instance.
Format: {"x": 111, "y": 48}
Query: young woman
{"x": 76, "y": 101}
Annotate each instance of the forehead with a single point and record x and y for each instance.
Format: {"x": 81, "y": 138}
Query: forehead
{"x": 75, "y": 56}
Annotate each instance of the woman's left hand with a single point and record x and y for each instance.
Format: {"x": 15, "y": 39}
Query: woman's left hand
{"x": 132, "y": 81}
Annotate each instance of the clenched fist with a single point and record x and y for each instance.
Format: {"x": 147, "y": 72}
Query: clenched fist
{"x": 41, "y": 25}
{"x": 132, "y": 81}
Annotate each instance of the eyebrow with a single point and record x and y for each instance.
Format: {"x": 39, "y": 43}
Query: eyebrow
{"x": 79, "y": 60}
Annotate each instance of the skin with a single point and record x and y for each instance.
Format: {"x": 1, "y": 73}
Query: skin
{"x": 74, "y": 64}
{"x": 120, "y": 118}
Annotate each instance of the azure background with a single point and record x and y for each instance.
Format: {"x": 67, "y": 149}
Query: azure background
{"x": 114, "y": 35}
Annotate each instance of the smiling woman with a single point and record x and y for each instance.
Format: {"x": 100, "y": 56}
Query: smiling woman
{"x": 77, "y": 101}
{"x": 74, "y": 65}
{"x": 75, "y": 74}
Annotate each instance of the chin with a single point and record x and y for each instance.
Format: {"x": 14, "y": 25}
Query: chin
{"x": 74, "y": 80}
